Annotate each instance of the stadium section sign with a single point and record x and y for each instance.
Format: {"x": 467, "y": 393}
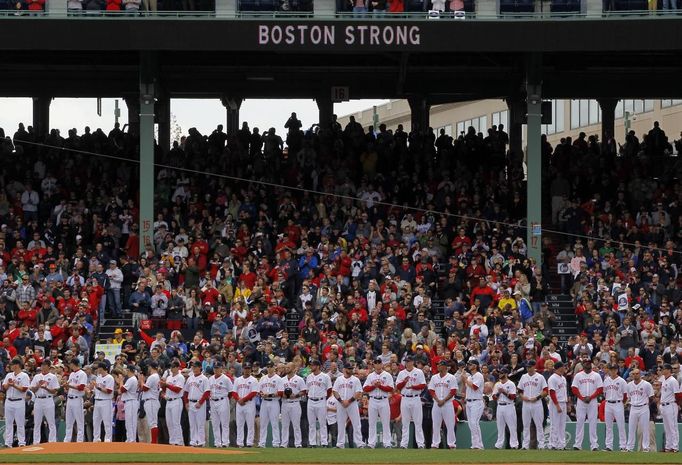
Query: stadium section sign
{"x": 331, "y": 35}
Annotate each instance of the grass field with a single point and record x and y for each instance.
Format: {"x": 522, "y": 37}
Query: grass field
{"x": 357, "y": 456}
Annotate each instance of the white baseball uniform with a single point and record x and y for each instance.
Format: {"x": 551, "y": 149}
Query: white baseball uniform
{"x": 411, "y": 404}
{"x": 220, "y": 388}
{"x": 43, "y": 406}
{"x": 640, "y": 395}
{"x": 532, "y": 411}
{"x": 669, "y": 410}
{"x": 150, "y": 397}
{"x": 504, "y": 394}
{"x": 558, "y": 390}
{"x": 132, "y": 407}
{"x": 15, "y": 408}
{"x": 270, "y": 389}
{"x": 291, "y": 409}
{"x": 346, "y": 388}
{"x": 615, "y": 394}
{"x": 589, "y": 385}
{"x": 74, "y": 406}
{"x": 474, "y": 407}
{"x": 379, "y": 388}
{"x": 318, "y": 388}
{"x": 245, "y": 388}
{"x": 198, "y": 392}
{"x": 175, "y": 386}
{"x": 442, "y": 388}
{"x": 103, "y": 410}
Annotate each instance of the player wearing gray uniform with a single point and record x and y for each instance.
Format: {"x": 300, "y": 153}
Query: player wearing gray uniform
{"x": 319, "y": 389}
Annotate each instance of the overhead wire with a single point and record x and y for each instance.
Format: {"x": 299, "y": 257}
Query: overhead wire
{"x": 519, "y": 225}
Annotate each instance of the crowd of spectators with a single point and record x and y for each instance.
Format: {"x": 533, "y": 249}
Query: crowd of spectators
{"x": 366, "y": 242}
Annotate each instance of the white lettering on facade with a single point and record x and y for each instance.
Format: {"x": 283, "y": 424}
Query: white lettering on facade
{"x": 373, "y": 35}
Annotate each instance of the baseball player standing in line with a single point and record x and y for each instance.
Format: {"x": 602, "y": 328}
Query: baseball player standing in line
{"x": 379, "y": 385}
{"x": 150, "y": 398}
{"x": 442, "y": 387}
{"x": 197, "y": 392}
{"x": 670, "y": 395}
{"x": 410, "y": 382}
{"x": 504, "y": 393}
{"x": 533, "y": 388}
{"x": 221, "y": 386}
{"x": 44, "y": 386}
{"x": 129, "y": 395}
{"x": 244, "y": 391}
{"x": 319, "y": 389}
{"x": 615, "y": 395}
{"x": 103, "y": 411}
{"x": 348, "y": 391}
{"x": 174, "y": 386}
{"x": 270, "y": 389}
{"x": 75, "y": 386}
{"x": 293, "y": 388}
{"x": 558, "y": 393}
{"x": 587, "y": 386}
{"x": 15, "y": 385}
{"x": 474, "y": 402}
{"x": 639, "y": 394}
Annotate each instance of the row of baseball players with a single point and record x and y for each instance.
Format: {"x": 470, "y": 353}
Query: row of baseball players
{"x": 280, "y": 397}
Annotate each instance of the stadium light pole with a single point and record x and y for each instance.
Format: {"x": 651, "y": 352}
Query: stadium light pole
{"x": 534, "y": 158}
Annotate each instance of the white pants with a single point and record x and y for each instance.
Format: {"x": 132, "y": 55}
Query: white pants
{"x": 583, "y": 411}
{"x": 672, "y": 434}
{"x": 533, "y": 411}
{"x": 173, "y": 418}
{"x": 151, "y": 410}
{"x": 197, "y": 424}
{"x": 131, "y": 416}
{"x": 410, "y": 411}
{"x": 291, "y": 414}
{"x": 615, "y": 412}
{"x": 74, "y": 412}
{"x": 269, "y": 415}
{"x": 639, "y": 419}
{"x": 557, "y": 427}
{"x": 44, "y": 408}
{"x": 439, "y": 415}
{"x": 379, "y": 410}
{"x": 343, "y": 414}
{"x": 246, "y": 414}
{"x": 103, "y": 412}
{"x": 474, "y": 412}
{"x": 506, "y": 419}
{"x": 15, "y": 413}
{"x": 220, "y": 421}
{"x": 317, "y": 413}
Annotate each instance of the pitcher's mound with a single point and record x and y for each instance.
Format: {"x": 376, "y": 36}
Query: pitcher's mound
{"x": 113, "y": 448}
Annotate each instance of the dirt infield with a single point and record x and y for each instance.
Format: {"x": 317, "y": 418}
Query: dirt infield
{"x": 113, "y": 448}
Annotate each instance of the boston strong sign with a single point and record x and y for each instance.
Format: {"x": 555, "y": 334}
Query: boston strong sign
{"x": 335, "y": 35}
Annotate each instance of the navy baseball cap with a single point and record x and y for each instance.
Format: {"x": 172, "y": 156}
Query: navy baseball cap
{"x": 444, "y": 363}
{"x": 504, "y": 371}
{"x": 312, "y": 362}
{"x": 348, "y": 365}
{"x": 558, "y": 365}
{"x": 409, "y": 358}
{"x": 378, "y": 360}
{"x": 473, "y": 361}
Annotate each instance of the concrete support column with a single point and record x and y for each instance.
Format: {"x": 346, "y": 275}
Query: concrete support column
{"x": 324, "y": 8}
{"x": 517, "y": 109}
{"x": 608, "y": 118}
{"x": 420, "y": 109}
{"x": 534, "y": 157}
{"x": 325, "y": 107}
{"x": 146, "y": 126}
{"x": 163, "y": 119}
{"x": 232, "y": 106}
{"x": 41, "y": 115}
